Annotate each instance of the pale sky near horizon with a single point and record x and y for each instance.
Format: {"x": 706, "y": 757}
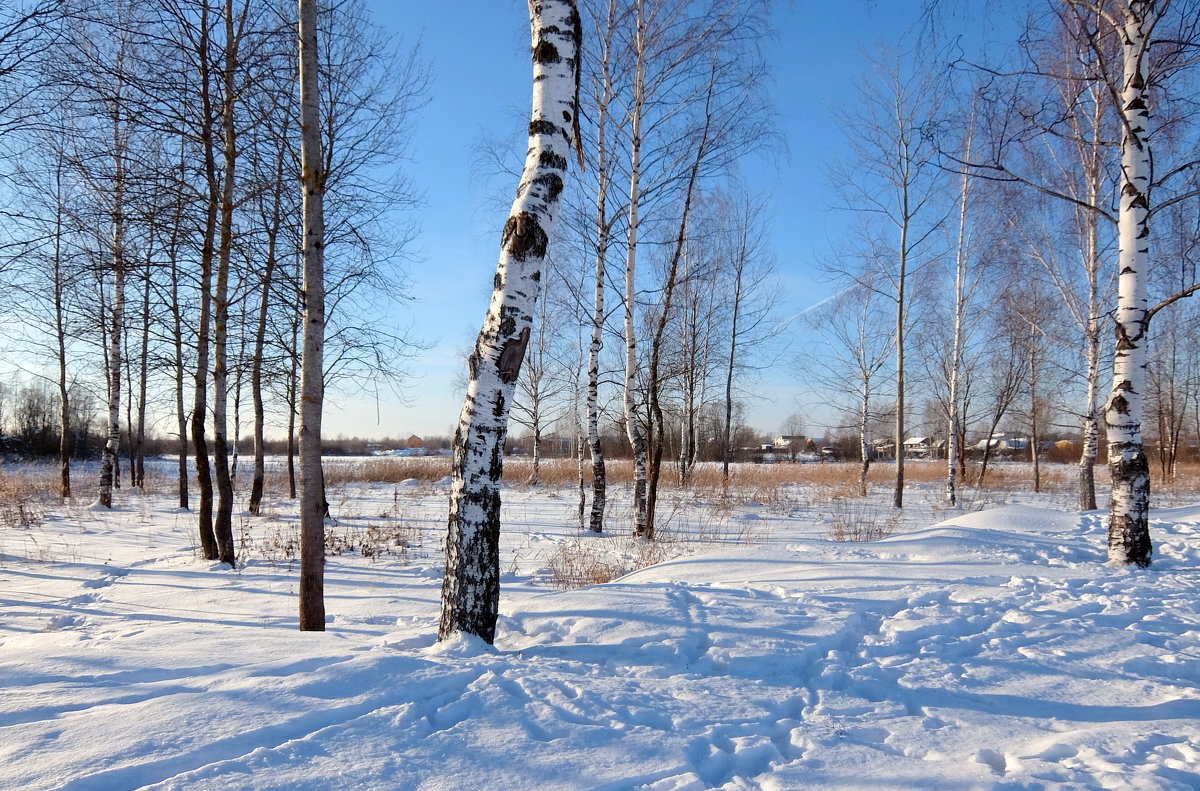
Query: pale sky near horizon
{"x": 479, "y": 68}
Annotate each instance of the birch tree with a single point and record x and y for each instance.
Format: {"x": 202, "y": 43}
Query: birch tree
{"x": 853, "y": 329}
{"x": 1060, "y": 149}
{"x": 603, "y": 68}
{"x": 312, "y": 385}
{"x": 1135, "y": 22}
{"x": 1132, "y": 63}
{"x": 471, "y": 587}
{"x": 896, "y": 183}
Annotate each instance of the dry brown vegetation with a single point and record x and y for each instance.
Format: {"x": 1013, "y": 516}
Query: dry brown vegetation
{"x": 24, "y": 493}
{"x": 836, "y": 479}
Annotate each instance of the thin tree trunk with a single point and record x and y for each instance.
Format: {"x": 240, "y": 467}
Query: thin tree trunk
{"x": 901, "y": 283}
{"x": 143, "y": 377}
{"x": 1091, "y": 330}
{"x": 260, "y": 335}
{"x": 633, "y": 426}
{"x": 603, "y": 228}
{"x": 223, "y": 523}
{"x": 471, "y": 587}
{"x": 864, "y": 416}
{"x": 657, "y": 428}
{"x": 1034, "y": 411}
{"x": 312, "y": 384}
{"x": 208, "y": 539}
{"x": 293, "y": 405}
{"x": 960, "y": 309}
{"x": 109, "y": 473}
{"x": 727, "y": 441}
{"x": 60, "y": 337}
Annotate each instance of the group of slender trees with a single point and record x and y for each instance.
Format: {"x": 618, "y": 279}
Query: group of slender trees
{"x": 165, "y": 242}
{"x": 1008, "y": 212}
{"x": 1023, "y": 223}
{"x": 159, "y": 246}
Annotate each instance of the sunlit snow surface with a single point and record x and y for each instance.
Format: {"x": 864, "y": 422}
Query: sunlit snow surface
{"x": 993, "y": 650}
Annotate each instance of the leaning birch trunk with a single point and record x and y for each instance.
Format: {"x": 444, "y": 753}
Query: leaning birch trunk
{"x": 471, "y": 586}
{"x": 312, "y": 365}
{"x": 1129, "y": 519}
{"x": 727, "y": 429}
{"x": 654, "y": 385}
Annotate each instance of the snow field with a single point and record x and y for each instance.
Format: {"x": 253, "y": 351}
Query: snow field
{"x": 993, "y": 650}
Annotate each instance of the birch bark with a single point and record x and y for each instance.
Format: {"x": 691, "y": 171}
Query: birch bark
{"x": 1129, "y": 530}
{"x": 603, "y": 226}
{"x": 108, "y": 463}
{"x": 956, "y": 351}
{"x": 312, "y": 373}
{"x": 633, "y": 425}
{"x": 471, "y": 587}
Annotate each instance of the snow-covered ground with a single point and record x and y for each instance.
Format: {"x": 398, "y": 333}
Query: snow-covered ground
{"x": 991, "y": 650}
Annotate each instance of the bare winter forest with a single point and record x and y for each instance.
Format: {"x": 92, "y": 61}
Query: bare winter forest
{"x": 208, "y": 223}
{"x": 942, "y": 570}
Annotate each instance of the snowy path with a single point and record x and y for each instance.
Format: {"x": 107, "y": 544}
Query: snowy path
{"x": 991, "y": 651}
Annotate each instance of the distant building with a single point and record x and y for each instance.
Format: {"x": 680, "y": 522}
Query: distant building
{"x": 414, "y": 442}
{"x": 1000, "y": 443}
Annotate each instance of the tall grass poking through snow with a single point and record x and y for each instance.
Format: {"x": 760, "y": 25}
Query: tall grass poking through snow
{"x": 861, "y": 520}
{"x": 23, "y": 495}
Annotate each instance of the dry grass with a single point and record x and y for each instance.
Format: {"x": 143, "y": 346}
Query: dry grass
{"x": 595, "y": 560}
{"x": 860, "y": 520}
{"x": 1186, "y": 480}
{"x": 24, "y": 494}
{"x": 279, "y": 543}
{"x": 385, "y": 470}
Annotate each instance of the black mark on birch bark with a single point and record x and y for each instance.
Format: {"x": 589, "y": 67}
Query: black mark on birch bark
{"x": 552, "y": 184}
{"x": 542, "y": 127}
{"x": 508, "y": 367}
{"x": 523, "y": 237}
{"x": 545, "y": 52}
{"x": 549, "y": 159}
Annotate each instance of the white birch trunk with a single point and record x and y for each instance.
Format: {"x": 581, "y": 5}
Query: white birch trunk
{"x": 108, "y": 463}
{"x": 1129, "y": 530}
{"x": 960, "y": 307}
{"x": 599, "y": 473}
{"x": 1091, "y": 329}
{"x": 471, "y": 587}
{"x": 633, "y": 426}
{"x": 312, "y": 365}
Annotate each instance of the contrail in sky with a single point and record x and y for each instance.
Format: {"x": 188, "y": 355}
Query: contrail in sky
{"x": 814, "y": 306}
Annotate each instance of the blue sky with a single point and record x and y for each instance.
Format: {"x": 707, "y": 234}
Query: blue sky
{"x": 479, "y": 66}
